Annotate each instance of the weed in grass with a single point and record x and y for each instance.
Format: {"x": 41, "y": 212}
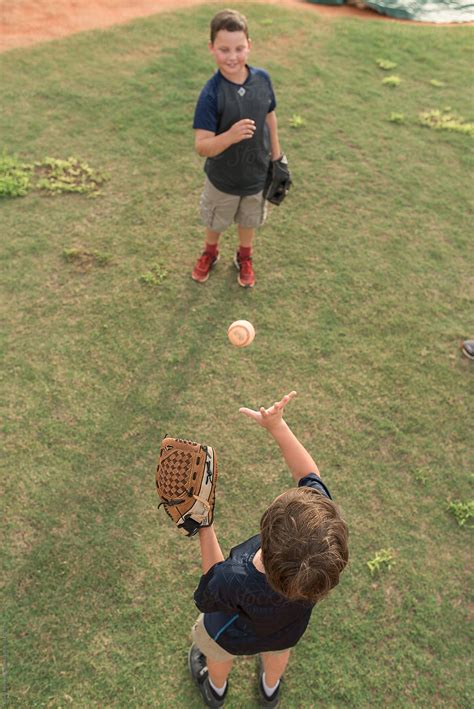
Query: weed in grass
{"x": 421, "y": 475}
{"x": 392, "y": 80}
{"x": 297, "y": 121}
{"x": 397, "y": 118}
{"x": 383, "y": 559}
{"x": 436, "y": 83}
{"x": 53, "y": 175}
{"x": 462, "y": 511}
{"x": 14, "y": 177}
{"x": 385, "y": 64}
{"x": 85, "y": 258}
{"x": 102, "y": 259}
{"x": 57, "y": 176}
{"x": 155, "y": 276}
{"x": 445, "y": 120}
{"x": 71, "y": 255}
{"x": 266, "y": 22}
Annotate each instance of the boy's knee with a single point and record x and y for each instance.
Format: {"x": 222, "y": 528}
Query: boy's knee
{"x": 276, "y": 654}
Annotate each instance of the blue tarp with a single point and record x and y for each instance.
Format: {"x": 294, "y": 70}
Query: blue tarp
{"x": 421, "y": 10}
{"x": 425, "y": 10}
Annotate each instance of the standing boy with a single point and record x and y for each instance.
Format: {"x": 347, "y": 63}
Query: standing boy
{"x": 236, "y": 130}
{"x": 260, "y": 599}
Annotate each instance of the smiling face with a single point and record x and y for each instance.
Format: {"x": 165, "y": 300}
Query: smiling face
{"x": 230, "y": 50}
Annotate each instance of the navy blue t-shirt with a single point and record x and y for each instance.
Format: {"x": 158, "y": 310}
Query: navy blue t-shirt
{"x": 241, "y": 611}
{"x": 242, "y": 168}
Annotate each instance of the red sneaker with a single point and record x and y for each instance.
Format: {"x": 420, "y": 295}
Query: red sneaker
{"x": 246, "y": 277}
{"x": 203, "y": 266}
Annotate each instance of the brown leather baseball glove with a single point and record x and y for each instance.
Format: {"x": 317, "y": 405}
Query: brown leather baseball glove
{"x": 186, "y": 479}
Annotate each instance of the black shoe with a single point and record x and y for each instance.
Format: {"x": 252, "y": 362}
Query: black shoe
{"x": 198, "y": 668}
{"x": 468, "y": 348}
{"x": 265, "y": 700}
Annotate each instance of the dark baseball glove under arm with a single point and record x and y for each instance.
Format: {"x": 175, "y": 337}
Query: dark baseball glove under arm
{"x": 186, "y": 478}
{"x": 278, "y": 181}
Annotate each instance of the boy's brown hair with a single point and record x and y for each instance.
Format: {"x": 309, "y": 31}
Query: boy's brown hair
{"x": 229, "y": 20}
{"x": 304, "y": 544}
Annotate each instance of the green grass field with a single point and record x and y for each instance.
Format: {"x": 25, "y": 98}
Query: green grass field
{"x": 363, "y": 289}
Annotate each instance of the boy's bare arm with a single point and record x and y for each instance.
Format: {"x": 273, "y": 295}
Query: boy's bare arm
{"x": 208, "y": 144}
{"x": 271, "y": 121}
{"x": 210, "y": 549}
{"x": 295, "y": 454}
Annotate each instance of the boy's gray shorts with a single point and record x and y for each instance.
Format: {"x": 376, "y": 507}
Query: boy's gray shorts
{"x": 219, "y": 209}
{"x": 210, "y": 648}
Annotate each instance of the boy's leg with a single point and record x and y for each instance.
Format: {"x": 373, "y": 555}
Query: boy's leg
{"x": 208, "y": 258}
{"x": 251, "y": 214}
{"x": 212, "y": 237}
{"x": 218, "y": 210}
{"x": 243, "y": 257}
{"x": 218, "y": 671}
{"x": 209, "y": 674}
{"x": 274, "y": 666}
{"x": 246, "y": 236}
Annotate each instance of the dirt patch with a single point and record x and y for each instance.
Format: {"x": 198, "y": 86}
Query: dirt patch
{"x": 27, "y": 22}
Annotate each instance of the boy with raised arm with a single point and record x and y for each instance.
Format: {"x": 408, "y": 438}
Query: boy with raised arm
{"x": 260, "y": 599}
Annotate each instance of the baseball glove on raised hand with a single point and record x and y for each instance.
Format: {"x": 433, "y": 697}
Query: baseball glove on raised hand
{"x": 186, "y": 479}
{"x": 278, "y": 181}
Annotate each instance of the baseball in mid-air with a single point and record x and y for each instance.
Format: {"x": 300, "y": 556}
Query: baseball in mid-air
{"x": 241, "y": 333}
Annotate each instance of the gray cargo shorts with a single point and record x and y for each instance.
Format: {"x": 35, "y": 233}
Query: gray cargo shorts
{"x": 219, "y": 209}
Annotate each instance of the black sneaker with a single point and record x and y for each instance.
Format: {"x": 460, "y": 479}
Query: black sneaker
{"x": 265, "y": 700}
{"x": 198, "y": 668}
{"x": 468, "y": 348}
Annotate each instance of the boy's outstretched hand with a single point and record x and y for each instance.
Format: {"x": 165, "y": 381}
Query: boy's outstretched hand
{"x": 295, "y": 454}
{"x": 272, "y": 417}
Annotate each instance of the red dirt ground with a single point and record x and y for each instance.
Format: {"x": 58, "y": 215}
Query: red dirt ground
{"x": 27, "y": 22}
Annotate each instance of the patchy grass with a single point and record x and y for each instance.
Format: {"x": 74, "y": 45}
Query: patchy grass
{"x": 155, "y": 276}
{"x": 397, "y": 117}
{"x": 462, "y": 511}
{"x": 385, "y": 64}
{"x": 383, "y": 559}
{"x": 391, "y": 80}
{"x": 57, "y": 176}
{"x": 84, "y": 258}
{"x": 14, "y": 177}
{"x": 52, "y": 175}
{"x": 446, "y": 120}
{"x": 297, "y": 121}
{"x": 363, "y": 294}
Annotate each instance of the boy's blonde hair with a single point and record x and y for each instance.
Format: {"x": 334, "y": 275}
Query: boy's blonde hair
{"x": 304, "y": 544}
{"x": 229, "y": 20}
